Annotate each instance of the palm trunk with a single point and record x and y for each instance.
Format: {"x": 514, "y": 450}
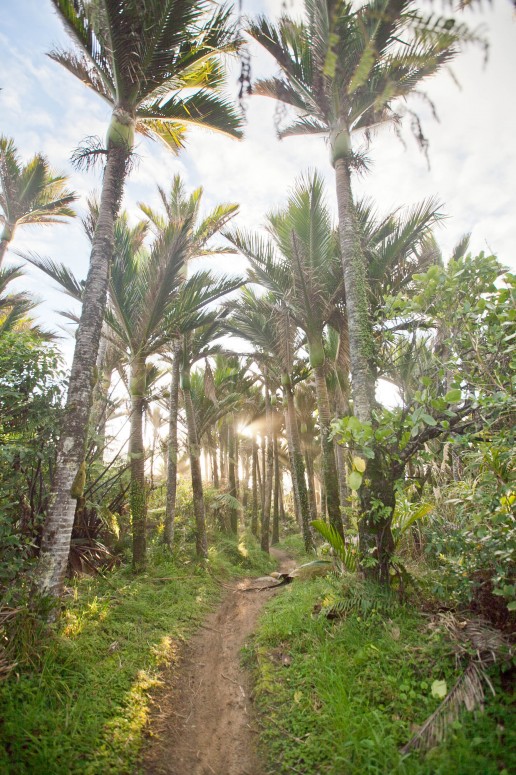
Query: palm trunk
{"x": 357, "y": 307}
{"x": 375, "y": 532}
{"x": 266, "y": 513}
{"x": 201, "y": 541}
{"x": 170, "y": 513}
{"x": 329, "y": 467}
{"x": 263, "y": 466}
{"x": 138, "y": 498}
{"x": 275, "y": 511}
{"x": 233, "y": 491}
{"x": 214, "y": 464}
{"x": 254, "y": 515}
{"x": 312, "y": 499}
{"x": 69, "y": 475}
{"x": 298, "y": 469}
{"x": 5, "y": 239}
{"x": 245, "y": 483}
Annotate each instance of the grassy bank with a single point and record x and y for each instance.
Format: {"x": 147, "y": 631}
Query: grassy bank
{"x": 78, "y": 700}
{"x": 342, "y": 696}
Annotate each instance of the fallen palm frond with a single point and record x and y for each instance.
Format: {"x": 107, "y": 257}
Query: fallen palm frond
{"x": 468, "y": 636}
{"x": 468, "y": 692}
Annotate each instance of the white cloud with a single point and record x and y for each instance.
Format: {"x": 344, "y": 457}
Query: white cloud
{"x": 472, "y": 149}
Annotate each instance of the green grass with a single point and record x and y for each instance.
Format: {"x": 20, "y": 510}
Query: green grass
{"x": 352, "y": 691}
{"x": 79, "y": 701}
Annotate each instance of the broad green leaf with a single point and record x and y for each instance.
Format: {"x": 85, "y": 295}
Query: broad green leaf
{"x": 452, "y": 396}
{"x": 355, "y": 480}
{"x": 428, "y": 419}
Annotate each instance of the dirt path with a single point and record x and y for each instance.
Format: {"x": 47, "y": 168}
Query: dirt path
{"x": 203, "y": 719}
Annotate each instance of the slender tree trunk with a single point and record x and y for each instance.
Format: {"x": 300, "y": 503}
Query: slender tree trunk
{"x": 70, "y": 474}
{"x": 275, "y": 510}
{"x": 138, "y": 497}
{"x": 375, "y": 534}
{"x": 214, "y": 465}
{"x": 296, "y": 497}
{"x": 245, "y": 482}
{"x": 311, "y": 483}
{"x": 233, "y": 491}
{"x": 331, "y": 481}
{"x": 282, "y": 504}
{"x": 266, "y": 513}
{"x": 201, "y": 541}
{"x": 361, "y": 349}
{"x": 5, "y": 238}
{"x": 254, "y": 515}
{"x": 298, "y": 469}
{"x": 170, "y": 512}
{"x": 263, "y": 470}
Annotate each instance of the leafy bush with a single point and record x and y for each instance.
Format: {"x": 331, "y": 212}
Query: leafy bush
{"x": 31, "y": 392}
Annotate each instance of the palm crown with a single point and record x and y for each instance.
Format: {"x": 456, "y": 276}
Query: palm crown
{"x": 140, "y": 56}
{"x": 29, "y": 193}
{"x": 343, "y": 68}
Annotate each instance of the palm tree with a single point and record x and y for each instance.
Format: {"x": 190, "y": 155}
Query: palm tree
{"x": 197, "y": 344}
{"x": 139, "y": 57}
{"x": 150, "y": 303}
{"x": 178, "y": 206}
{"x": 29, "y": 194}
{"x": 268, "y": 326}
{"x": 344, "y": 71}
{"x": 15, "y": 308}
{"x": 300, "y": 266}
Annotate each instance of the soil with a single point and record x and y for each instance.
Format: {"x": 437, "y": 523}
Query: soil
{"x": 202, "y": 722}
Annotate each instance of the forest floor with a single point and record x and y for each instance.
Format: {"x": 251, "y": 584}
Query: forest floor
{"x": 202, "y": 721}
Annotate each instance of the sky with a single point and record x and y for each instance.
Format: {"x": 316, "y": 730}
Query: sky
{"x": 472, "y": 149}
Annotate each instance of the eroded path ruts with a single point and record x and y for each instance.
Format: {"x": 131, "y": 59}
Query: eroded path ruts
{"x": 203, "y": 719}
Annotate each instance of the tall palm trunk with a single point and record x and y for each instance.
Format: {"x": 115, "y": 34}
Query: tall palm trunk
{"x": 312, "y": 499}
{"x": 375, "y": 534}
{"x": 357, "y": 306}
{"x": 138, "y": 498}
{"x": 276, "y": 496}
{"x": 298, "y": 468}
{"x": 170, "y": 512}
{"x": 233, "y": 490}
{"x": 214, "y": 463}
{"x": 69, "y": 476}
{"x": 329, "y": 467}
{"x": 268, "y": 474}
{"x": 254, "y": 475}
{"x": 201, "y": 541}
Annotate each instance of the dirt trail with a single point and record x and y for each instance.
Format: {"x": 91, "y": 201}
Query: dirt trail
{"x": 203, "y": 719}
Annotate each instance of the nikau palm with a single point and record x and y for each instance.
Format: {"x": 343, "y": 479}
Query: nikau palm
{"x": 299, "y": 265}
{"x": 268, "y": 325}
{"x": 138, "y": 57}
{"x": 29, "y": 194}
{"x": 344, "y": 69}
{"x": 177, "y": 206}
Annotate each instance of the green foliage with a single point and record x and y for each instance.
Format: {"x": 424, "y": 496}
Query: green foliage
{"x": 31, "y": 390}
{"x": 346, "y": 554}
{"x": 478, "y": 547}
{"x": 355, "y": 687}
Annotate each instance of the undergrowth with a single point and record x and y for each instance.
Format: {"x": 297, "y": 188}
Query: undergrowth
{"x": 78, "y": 699}
{"x": 342, "y": 696}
